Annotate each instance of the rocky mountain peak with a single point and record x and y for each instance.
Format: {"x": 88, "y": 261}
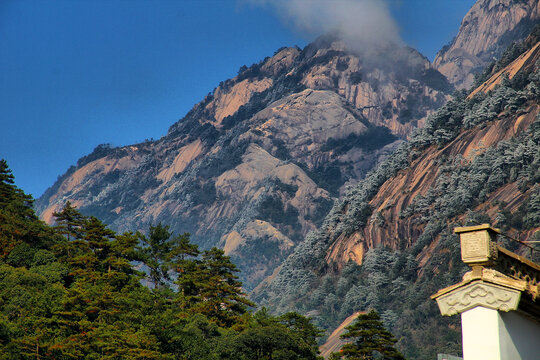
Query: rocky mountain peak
{"x": 388, "y": 243}
{"x": 257, "y": 164}
{"x": 486, "y": 31}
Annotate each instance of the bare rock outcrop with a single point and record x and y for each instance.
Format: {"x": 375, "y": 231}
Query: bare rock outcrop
{"x": 257, "y": 164}
{"x": 387, "y": 243}
{"x": 486, "y": 31}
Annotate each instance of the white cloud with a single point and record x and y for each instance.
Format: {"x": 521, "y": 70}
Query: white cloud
{"x": 363, "y": 24}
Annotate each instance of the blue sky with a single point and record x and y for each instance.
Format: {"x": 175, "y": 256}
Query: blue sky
{"x": 76, "y": 74}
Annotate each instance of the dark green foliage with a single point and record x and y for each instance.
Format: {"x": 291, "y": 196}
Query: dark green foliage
{"x": 20, "y": 228}
{"x": 69, "y": 222}
{"x": 253, "y": 72}
{"x": 161, "y": 252}
{"x": 435, "y": 80}
{"x": 280, "y": 50}
{"x": 355, "y": 77}
{"x": 342, "y": 64}
{"x": 273, "y": 209}
{"x": 204, "y": 193}
{"x": 219, "y": 163}
{"x": 286, "y": 188}
{"x": 322, "y": 208}
{"x": 532, "y": 209}
{"x": 21, "y": 255}
{"x": 326, "y": 176}
{"x": 291, "y": 336}
{"x": 268, "y": 253}
{"x": 206, "y": 132}
{"x": 102, "y": 151}
{"x": 281, "y": 152}
{"x": 73, "y": 292}
{"x": 374, "y": 138}
{"x": 242, "y": 69}
{"x": 527, "y": 216}
{"x": 370, "y": 340}
{"x": 210, "y": 287}
{"x": 388, "y": 110}
{"x": 405, "y": 115}
{"x": 99, "y": 151}
{"x": 411, "y": 108}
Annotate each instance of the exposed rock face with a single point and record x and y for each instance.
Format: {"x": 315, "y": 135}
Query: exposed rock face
{"x": 486, "y": 31}
{"x": 257, "y": 164}
{"x": 395, "y": 196}
{"x": 525, "y": 61}
{"x": 399, "y": 193}
{"x": 476, "y": 160}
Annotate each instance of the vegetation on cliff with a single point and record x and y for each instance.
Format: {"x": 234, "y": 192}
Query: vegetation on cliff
{"x": 207, "y": 175}
{"x": 312, "y": 119}
{"x": 397, "y": 277}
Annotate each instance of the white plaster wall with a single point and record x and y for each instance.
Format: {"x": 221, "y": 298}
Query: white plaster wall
{"x": 492, "y": 335}
{"x": 519, "y": 337}
{"x": 480, "y": 332}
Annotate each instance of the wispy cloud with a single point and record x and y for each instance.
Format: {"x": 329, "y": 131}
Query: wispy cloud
{"x": 363, "y": 24}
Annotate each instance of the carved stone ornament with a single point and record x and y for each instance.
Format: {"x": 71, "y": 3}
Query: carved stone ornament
{"x": 478, "y": 293}
{"x": 478, "y": 244}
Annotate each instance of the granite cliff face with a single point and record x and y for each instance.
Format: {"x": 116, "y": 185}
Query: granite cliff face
{"x": 388, "y": 243}
{"x": 258, "y": 163}
{"x": 486, "y": 31}
{"x": 255, "y": 168}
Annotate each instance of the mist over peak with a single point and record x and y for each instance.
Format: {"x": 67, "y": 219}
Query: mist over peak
{"x": 364, "y": 25}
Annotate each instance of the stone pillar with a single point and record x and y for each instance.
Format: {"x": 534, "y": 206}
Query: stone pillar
{"x": 494, "y": 335}
{"x": 497, "y": 300}
{"x": 480, "y": 334}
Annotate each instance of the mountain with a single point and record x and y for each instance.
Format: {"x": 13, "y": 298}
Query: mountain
{"x": 489, "y": 28}
{"x": 388, "y": 242}
{"x": 258, "y": 163}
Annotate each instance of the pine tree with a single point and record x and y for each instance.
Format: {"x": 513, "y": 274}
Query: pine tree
{"x": 162, "y": 253}
{"x": 210, "y": 287}
{"x": 7, "y": 189}
{"x": 69, "y": 221}
{"x": 370, "y": 339}
{"x": 103, "y": 307}
{"x": 182, "y": 253}
{"x": 72, "y": 292}
{"x": 20, "y": 228}
{"x": 303, "y": 330}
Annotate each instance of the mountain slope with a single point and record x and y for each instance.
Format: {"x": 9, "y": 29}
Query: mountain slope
{"x": 486, "y": 31}
{"x": 258, "y": 163}
{"x": 388, "y": 243}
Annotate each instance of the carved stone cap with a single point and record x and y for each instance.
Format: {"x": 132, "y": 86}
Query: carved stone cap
{"x": 477, "y": 293}
{"x": 478, "y": 244}
{"x": 462, "y": 229}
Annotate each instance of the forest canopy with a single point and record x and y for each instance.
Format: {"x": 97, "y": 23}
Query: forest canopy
{"x": 78, "y": 290}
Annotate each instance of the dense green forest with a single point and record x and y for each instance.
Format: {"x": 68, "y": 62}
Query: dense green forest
{"x": 78, "y": 290}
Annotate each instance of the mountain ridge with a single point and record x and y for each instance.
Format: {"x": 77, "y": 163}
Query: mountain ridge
{"x": 388, "y": 243}
{"x": 486, "y": 31}
{"x": 264, "y": 155}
